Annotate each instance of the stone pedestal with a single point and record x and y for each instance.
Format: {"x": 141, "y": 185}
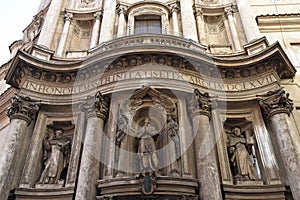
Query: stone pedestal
{"x": 206, "y": 162}
{"x": 96, "y": 109}
{"x": 278, "y": 106}
{"x": 21, "y": 113}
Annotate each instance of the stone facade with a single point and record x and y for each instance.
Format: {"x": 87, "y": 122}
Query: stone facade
{"x": 130, "y": 99}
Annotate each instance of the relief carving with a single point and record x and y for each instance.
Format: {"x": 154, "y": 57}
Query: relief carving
{"x": 57, "y": 148}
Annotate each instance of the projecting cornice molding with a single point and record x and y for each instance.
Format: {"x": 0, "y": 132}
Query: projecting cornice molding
{"x": 279, "y": 23}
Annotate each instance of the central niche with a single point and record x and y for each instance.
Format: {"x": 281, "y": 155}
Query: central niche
{"x": 147, "y": 135}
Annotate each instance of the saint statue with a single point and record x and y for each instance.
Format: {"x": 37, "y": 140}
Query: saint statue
{"x": 56, "y": 157}
{"x": 147, "y": 150}
{"x": 172, "y": 130}
{"x": 240, "y": 156}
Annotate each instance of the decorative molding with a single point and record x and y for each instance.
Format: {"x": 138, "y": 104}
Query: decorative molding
{"x": 22, "y": 108}
{"x": 275, "y": 102}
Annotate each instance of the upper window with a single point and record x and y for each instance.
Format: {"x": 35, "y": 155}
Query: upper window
{"x": 147, "y": 24}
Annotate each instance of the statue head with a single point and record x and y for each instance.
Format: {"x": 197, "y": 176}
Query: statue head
{"x": 58, "y": 133}
{"x": 147, "y": 121}
{"x": 236, "y": 130}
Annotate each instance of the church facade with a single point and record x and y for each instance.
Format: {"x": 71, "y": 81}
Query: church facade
{"x": 169, "y": 99}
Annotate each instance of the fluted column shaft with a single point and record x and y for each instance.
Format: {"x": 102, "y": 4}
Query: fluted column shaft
{"x": 233, "y": 30}
{"x": 50, "y": 24}
{"x": 96, "y": 109}
{"x": 21, "y": 113}
{"x": 108, "y": 22}
{"x": 206, "y": 162}
{"x": 64, "y": 34}
{"x": 278, "y": 106}
{"x": 96, "y": 29}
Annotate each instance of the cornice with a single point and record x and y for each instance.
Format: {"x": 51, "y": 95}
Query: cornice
{"x": 171, "y": 51}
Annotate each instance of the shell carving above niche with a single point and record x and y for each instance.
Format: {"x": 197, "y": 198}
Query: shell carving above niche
{"x": 87, "y": 3}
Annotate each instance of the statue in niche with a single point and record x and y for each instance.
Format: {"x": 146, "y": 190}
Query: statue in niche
{"x": 56, "y": 156}
{"x": 147, "y": 150}
{"x": 240, "y": 151}
{"x": 121, "y": 129}
{"x": 172, "y": 130}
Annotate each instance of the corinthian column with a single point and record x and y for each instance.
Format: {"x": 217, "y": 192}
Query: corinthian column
{"x": 206, "y": 162}
{"x": 21, "y": 113}
{"x": 233, "y": 29}
{"x": 200, "y": 24}
{"x": 96, "y": 110}
{"x": 96, "y": 29}
{"x": 277, "y": 106}
{"x": 175, "y": 10}
{"x": 121, "y": 9}
{"x": 64, "y": 34}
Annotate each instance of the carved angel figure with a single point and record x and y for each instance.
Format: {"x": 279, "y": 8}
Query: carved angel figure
{"x": 147, "y": 149}
{"x": 56, "y": 156}
{"x": 240, "y": 156}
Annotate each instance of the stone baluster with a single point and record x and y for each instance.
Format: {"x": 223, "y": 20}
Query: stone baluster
{"x": 175, "y": 10}
{"x": 21, "y": 113}
{"x": 64, "y": 34}
{"x": 206, "y": 162}
{"x": 96, "y": 109}
{"x": 96, "y": 29}
{"x": 277, "y": 106}
{"x": 200, "y": 25}
{"x": 121, "y": 10}
{"x": 49, "y": 27}
{"x": 233, "y": 29}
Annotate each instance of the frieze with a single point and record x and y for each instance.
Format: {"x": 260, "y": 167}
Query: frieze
{"x": 132, "y": 61}
{"x": 148, "y": 73}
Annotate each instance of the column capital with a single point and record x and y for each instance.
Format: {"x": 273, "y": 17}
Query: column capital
{"x": 199, "y": 104}
{"x": 96, "y": 106}
{"x": 228, "y": 11}
{"x": 22, "y": 108}
{"x": 121, "y": 9}
{"x": 197, "y": 11}
{"x": 68, "y": 16}
{"x": 175, "y": 7}
{"x": 98, "y": 15}
{"x": 275, "y": 102}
